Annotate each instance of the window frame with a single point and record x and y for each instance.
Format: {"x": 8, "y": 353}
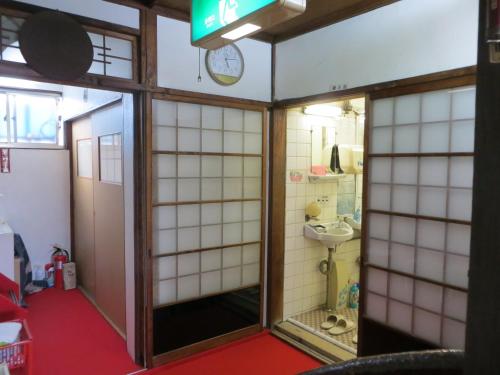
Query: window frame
{"x": 60, "y": 137}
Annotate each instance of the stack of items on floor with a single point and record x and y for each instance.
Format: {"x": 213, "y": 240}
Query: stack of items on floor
{"x": 15, "y": 339}
{"x": 60, "y": 273}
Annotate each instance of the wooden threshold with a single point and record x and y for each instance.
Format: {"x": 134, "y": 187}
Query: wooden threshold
{"x": 205, "y": 345}
{"x": 329, "y": 351}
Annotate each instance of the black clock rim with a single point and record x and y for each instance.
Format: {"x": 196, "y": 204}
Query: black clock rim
{"x": 212, "y": 74}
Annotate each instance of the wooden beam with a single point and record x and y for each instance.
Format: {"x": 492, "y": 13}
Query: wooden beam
{"x": 483, "y": 317}
{"x": 331, "y": 18}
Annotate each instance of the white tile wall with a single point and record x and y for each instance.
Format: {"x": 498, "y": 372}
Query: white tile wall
{"x": 305, "y": 286}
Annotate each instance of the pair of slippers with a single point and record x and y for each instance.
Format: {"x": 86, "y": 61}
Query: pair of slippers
{"x": 336, "y": 324}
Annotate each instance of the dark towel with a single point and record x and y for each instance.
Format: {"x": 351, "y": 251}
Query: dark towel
{"x": 21, "y": 252}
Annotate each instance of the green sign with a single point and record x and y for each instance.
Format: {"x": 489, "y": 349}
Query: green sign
{"x": 209, "y": 16}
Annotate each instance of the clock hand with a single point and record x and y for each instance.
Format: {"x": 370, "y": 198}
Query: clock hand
{"x": 227, "y": 63}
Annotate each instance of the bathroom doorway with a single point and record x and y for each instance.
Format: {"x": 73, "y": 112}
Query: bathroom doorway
{"x": 322, "y": 244}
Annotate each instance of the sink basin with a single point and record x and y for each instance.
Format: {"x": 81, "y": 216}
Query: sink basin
{"x": 329, "y": 234}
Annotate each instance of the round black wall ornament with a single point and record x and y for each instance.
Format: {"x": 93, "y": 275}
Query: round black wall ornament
{"x": 56, "y": 46}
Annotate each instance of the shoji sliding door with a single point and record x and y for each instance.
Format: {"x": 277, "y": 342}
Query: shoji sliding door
{"x": 207, "y": 224}
{"x": 418, "y": 213}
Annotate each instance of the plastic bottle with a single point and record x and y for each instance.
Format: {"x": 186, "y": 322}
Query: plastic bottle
{"x": 354, "y": 296}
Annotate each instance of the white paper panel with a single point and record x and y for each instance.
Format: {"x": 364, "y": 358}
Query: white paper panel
{"x": 165, "y": 292}
{"x": 252, "y": 143}
{"x": 406, "y": 139}
{"x": 461, "y": 172}
{"x": 381, "y": 140}
{"x": 457, "y": 268}
{"x": 460, "y": 204}
{"x": 211, "y": 189}
{"x": 435, "y": 137}
{"x": 380, "y": 196}
{"x": 380, "y": 170}
{"x": 402, "y": 258}
{"x": 404, "y": 199}
{"x": 231, "y": 257}
{"x": 458, "y": 238}
{"x": 376, "y": 307}
{"x": 430, "y": 264}
{"x": 464, "y": 103}
{"x": 432, "y": 202}
{"x": 462, "y": 136}
{"x": 211, "y": 166}
{"x": 164, "y": 113}
{"x": 164, "y": 241}
{"x": 251, "y": 231}
{"x": 379, "y": 226}
{"x": 164, "y": 217}
{"x": 252, "y": 167}
{"x": 378, "y": 253}
{"x": 211, "y": 236}
{"x": 188, "y": 287}
{"x": 403, "y": 230}
{"x": 377, "y": 281}
{"x": 435, "y": 106}
{"x": 382, "y": 112}
{"x": 251, "y": 211}
{"x": 455, "y": 304}
{"x": 401, "y": 288}
{"x": 211, "y": 213}
{"x": 405, "y": 171}
{"x": 166, "y": 267}
{"x": 188, "y": 216}
{"x": 233, "y": 142}
{"x": 233, "y": 188}
{"x": 211, "y": 260}
{"x": 210, "y": 282}
{"x": 253, "y": 122}
{"x": 407, "y": 109}
{"x": 211, "y": 117}
{"x": 188, "y": 115}
{"x": 232, "y": 233}
{"x": 250, "y": 274}
{"x": 189, "y": 139}
{"x": 211, "y": 141}
{"x": 427, "y": 325}
{"x": 164, "y": 138}
{"x": 400, "y": 316}
{"x": 164, "y": 190}
{"x": 431, "y": 234}
{"x": 164, "y": 166}
{"x": 428, "y": 296}
{"x": 232, "y": 212}
{"x": 251, "y": 254}
{"x": 233, "y": 119}
{"x": 188, "y": 264}
{"x": 252, "y": 188}
{"x": 188, "y": 189}
{"x": 453, "y": 334}
{"x": 434, "y": 171}
{"x": 188, "y": 238}
{"x": 231, "y": 278}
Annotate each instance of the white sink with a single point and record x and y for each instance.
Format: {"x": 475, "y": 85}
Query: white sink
{"x": 329, "y": 234}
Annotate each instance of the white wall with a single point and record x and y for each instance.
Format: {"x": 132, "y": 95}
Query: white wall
{"x": 405, "y": 39}
{"x": 36, "y": 199}
{"x": 178, "y": 64}
{"x": 98, "y": 9}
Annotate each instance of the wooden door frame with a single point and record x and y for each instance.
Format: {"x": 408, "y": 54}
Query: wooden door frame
{"x": 276, "y": 240}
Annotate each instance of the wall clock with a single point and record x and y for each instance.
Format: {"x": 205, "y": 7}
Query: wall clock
{"x": 225, "y": 65}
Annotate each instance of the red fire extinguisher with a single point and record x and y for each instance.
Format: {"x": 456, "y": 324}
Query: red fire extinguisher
{"x": 59, "y": 257}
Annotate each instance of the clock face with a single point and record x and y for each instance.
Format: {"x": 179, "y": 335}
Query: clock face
{"x": 225, "y": 65}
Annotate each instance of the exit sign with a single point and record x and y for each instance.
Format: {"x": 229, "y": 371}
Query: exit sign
{"x": 215, "y": 23}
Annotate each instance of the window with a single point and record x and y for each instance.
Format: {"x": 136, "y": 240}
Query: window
{"x": 29, "y": 119}
{"x": 110, "y": 158}
{"x": 84, "y": 158}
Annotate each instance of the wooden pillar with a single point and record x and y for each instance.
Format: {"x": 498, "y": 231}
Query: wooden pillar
{"x": 483, "y": 320}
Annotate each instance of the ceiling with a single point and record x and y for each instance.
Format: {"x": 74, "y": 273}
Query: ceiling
{"x": 319, "y": 13}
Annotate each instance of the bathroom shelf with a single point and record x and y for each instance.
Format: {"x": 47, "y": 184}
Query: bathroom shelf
{"x": 315, "y": 179}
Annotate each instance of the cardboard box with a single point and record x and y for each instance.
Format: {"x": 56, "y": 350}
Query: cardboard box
{"x": 69, "y": 275}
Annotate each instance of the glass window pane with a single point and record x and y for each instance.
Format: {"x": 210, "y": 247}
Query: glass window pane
{"x": 110, "y": 158}
{"x": 35, "y": 118}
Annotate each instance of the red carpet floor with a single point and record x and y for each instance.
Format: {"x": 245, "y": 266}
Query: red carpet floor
{"x": 261, "y": 354}
{"x": 70, "y": 337}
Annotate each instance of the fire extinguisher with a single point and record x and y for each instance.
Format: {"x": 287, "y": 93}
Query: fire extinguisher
{"x": 59, "y": 257}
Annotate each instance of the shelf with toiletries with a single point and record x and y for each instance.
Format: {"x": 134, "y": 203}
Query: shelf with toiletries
{"x": 314, "y": 178}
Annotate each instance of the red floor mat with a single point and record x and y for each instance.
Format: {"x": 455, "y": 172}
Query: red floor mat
{"x": 71, "y": 337}
{"x": 261, "y": 354}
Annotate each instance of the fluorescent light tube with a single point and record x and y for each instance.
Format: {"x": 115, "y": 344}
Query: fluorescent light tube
{"x": 241, "y": 31}
{"x": 326, "y": 110}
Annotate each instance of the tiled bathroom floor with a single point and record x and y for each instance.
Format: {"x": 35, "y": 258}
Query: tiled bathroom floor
{"x": 312, "y": 320}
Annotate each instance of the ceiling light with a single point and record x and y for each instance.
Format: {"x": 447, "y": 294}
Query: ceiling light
{"x": 241, "y": 31}
{"x": 326, "y": 110}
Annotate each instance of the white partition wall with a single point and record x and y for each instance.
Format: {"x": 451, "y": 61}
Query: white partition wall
{"x": 419, "y": 212}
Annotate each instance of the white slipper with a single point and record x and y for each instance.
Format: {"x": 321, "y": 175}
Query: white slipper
{"x": 342, "y": 326}
{"x": 331, "y": 321}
